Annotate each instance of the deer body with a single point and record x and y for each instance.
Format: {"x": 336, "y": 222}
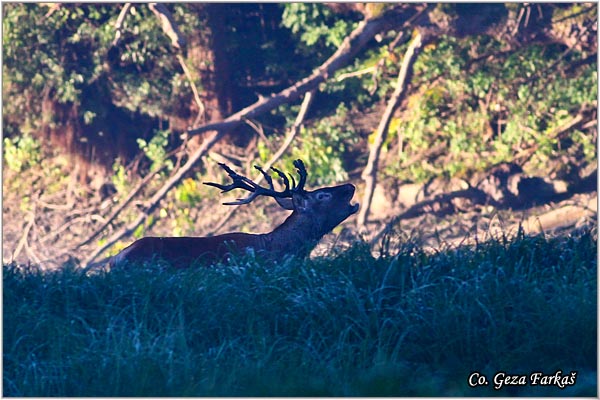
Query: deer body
{"x": 184, "y": 251}
{"x": 315, "y": 213}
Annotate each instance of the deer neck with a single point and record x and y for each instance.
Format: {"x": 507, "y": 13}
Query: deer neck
{"x": 297, "y": 235}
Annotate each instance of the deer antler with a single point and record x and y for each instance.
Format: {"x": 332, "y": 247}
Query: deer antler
{"x": 302, "y": 172}
{"x": 242, "y": 182}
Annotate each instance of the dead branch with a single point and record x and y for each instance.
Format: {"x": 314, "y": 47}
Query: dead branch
{"x": 565, "y": 216}
{"x": 57, "y": 207}
{"x": 568, "y": 214}
{"x": 548, "y": 69}
{"x": 171, "y": 29}
{"x": 258, "y": 128}
{"x": 52, "y": 7}
{"x": 168, "y": 24}
{"x": 425, "y": 206}
{"x": 366, "y": 30}
{"x": 197, "y": 99}
{"x": 577, "y": 121}
{"x": 120, "y": 208}
{"x": 64, "y": 227}
{"x": 23, "y": 241}
{"x": 31, "y": 254}
{"x": 370, "y": 172}
{"x": 308, "y": 99}
{"x": 119, "y": 23}
{"x": 158, "y": 196}
{"x": 353, "y": 74}
{"x": 381, "y": 63}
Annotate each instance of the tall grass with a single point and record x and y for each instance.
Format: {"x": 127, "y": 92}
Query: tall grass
{"x": 408, "y": 323}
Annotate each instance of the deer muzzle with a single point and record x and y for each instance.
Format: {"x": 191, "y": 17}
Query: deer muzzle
{"x": 347, "y": 191}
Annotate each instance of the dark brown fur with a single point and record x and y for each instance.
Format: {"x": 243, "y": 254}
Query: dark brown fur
{"x": 315, "y": 214}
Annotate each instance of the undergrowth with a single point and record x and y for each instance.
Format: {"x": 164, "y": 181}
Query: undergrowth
{"x": 409, "y": 323}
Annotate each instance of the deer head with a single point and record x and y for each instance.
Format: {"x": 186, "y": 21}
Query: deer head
{"x": 315, "y": 213}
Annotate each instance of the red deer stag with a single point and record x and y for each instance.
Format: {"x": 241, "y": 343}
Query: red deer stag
{"x": 315, "y": 213}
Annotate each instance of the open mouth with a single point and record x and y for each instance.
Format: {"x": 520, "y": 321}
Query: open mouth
{"x": 353, "y": 208}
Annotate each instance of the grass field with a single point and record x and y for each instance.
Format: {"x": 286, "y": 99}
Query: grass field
{"x": 408, "y": 323}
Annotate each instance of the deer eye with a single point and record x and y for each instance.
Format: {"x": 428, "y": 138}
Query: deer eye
{"x": 323, "y": 196}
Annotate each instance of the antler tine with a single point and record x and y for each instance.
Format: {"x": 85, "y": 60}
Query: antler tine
{"x": 283, "y": 177}
{"x": 242, "y": 201}
{"x": 239, "y": 181}
{"x": 266, "y": 176}
{"x": 302, "y": 172}
{"x": 231, "y": 186}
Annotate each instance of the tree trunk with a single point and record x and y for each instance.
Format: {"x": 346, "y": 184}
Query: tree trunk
{"x": 370, "y": 172}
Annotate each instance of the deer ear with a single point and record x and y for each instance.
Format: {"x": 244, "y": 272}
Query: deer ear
{"x": 285, "y": 203}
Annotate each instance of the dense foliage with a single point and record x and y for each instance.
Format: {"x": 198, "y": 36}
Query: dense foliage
{"x": 408, "y": 323}
{"x": 475, "y": 95}
{"x": 487, "y": 110}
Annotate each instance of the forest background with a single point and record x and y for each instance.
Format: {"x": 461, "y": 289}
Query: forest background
{"x": 470, "y": 131}
{"x": 451, "y": 119}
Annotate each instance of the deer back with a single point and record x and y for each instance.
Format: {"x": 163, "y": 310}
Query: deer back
{"x": 185, "y": 251}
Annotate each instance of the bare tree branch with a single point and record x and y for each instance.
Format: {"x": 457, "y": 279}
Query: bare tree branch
{"x": 197, "y": 99}
{"x": 119, "y": 23}
{"x": 370, "y": 172}
{"x": 120, "y": 208}
{"x": 426, "y": 206}
{"x": 168, "y": 24}
{"x": 549, "y": 68}
{"x": 368, "y": 70}
{"x": 575, "y": 122}
{"x": 308, "y": 99}
{"x": 171, "y": 29}
{"x": 158, "y": 196}
{"x": 365, "y": 31}
{"x": 23, "y": 242}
